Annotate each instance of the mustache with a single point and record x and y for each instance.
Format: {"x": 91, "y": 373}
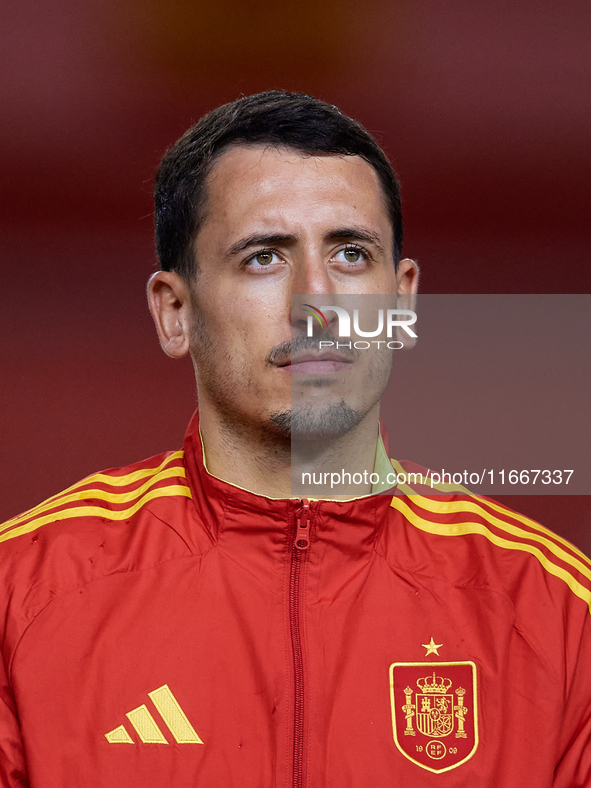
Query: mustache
{"x": 281, "y": 354}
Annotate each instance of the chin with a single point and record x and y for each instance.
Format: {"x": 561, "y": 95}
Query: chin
{"x": 309, "y": 423}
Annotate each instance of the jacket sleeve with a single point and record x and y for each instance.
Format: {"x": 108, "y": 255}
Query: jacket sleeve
{"x": 13, "y": 768}
{"x": 574, "y": 767}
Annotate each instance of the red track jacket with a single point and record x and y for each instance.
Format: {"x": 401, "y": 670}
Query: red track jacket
{"x": 159, "y": 627}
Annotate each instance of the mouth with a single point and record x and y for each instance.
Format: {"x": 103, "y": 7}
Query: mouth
{"x": 316, "y": 364}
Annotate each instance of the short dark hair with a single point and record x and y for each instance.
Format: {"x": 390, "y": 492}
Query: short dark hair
{"x": 275, "y": 117}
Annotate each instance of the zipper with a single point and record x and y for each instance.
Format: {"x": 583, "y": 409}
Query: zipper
{"x": 300, "y": 545}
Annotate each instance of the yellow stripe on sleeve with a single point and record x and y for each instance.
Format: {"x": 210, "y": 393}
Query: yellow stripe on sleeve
{"x": 533, "y": 524}
{"x": 114, "y": 481}
{"x": 551, "y": 540}
{"x": 464, "y": 528}
{"x": 97, "y": 511}
{"x": 461, "y": 507}
{"x": 101, "y": 495}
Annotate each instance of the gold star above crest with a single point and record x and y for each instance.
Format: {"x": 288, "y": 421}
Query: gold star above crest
{"x": 432, "y": 647}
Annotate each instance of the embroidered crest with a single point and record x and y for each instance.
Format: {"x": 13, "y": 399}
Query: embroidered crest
{"x": 434, "y": 712}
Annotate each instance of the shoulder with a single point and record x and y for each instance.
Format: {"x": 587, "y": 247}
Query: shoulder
{"x": 480, "y": 540}
{"x": 112, "y": 495}
{"x": 113, "y": 521}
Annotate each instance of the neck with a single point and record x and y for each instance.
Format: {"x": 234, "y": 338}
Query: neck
{"x": 266, "y": 463}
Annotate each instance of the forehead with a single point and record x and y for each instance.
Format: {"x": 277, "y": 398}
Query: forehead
{"x": 272, "y": 187}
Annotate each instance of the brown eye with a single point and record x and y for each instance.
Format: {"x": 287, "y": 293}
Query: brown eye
{"x": 263, "y": 258}
{"x": 352, "y": 255}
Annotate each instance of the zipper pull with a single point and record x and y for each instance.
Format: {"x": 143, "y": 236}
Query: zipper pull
{"x": 302, "y": 537}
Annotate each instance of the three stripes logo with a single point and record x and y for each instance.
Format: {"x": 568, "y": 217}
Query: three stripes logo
{"x": 146, "y": 726}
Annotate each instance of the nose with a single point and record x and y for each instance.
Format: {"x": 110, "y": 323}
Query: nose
{"x": 310, "y": 285}
{"x": 311, "y": 276}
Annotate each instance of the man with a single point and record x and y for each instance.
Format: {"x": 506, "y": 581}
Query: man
{"x": 185, "y": 621}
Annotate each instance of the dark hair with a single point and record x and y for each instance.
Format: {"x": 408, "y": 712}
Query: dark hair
{"x": 274, "y": 117}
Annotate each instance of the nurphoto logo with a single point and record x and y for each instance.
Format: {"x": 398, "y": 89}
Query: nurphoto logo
{"x": 393, "y": 319}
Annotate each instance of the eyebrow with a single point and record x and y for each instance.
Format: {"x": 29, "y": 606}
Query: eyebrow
{"x": 355, "y": 233}
{"x": 259, "y": 240}
{"x": 341, "y": 233}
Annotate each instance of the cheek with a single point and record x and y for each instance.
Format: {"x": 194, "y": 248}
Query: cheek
{"x": 388, "y": 282}
{"x": 229, "y": 309}
{"x": 240, "y": 326}
{"x": 380, "y": 370}
{"x": 231, "y": 345}
{"x": 371, "y": 381}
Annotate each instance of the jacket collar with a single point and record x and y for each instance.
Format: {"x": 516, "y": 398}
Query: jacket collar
{"x": 223, "y": 505}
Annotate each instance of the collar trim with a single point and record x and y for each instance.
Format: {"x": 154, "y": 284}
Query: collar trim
{"x": 382, "y": 466}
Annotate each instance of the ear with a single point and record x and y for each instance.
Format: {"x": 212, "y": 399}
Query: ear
{"x": 169, "y": 299}
{"x": 407, "y": 282}
{"x": 407, "y": 279}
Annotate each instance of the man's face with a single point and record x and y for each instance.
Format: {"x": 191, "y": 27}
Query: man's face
{"x": 279, "y": 223}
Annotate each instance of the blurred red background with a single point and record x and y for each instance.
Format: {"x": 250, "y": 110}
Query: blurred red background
{"x": 484, "y": 109}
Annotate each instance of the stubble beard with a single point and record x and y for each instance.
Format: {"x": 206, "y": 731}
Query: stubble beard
{"x": 223, "y": 382}
{"x": 308, "y": 423}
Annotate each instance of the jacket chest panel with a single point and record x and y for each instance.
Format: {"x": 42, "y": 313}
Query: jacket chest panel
{"x": 212, "y": 640}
